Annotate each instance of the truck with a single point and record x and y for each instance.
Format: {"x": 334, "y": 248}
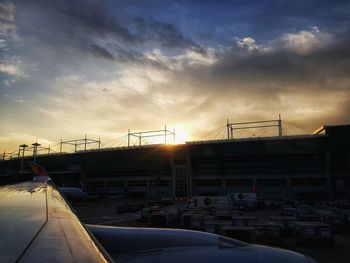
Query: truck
{"x": 244, "y": 201}
{"x": 212, "y": 201}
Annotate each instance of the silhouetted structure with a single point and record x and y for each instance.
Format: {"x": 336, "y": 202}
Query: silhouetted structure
{"x": 313, "y": 166}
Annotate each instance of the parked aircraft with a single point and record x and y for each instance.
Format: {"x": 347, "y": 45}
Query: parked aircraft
{"x": 38, "y": 225}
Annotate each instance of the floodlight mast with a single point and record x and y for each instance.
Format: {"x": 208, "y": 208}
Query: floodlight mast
{"x": 254, "y": 125}
{"x": 81, "y": 142}
{"x": 35, "y": 150}
{"x": 151, "y": 134}
{"x": 22, "y": 148}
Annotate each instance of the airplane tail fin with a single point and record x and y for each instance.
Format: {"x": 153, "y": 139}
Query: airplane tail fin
{"x": 40, "y": 175}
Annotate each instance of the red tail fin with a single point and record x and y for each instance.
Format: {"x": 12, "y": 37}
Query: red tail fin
{"x": 38, "y": 170}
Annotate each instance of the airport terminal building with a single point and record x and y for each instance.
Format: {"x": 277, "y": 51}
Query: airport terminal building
{"x": 299, "y": 167}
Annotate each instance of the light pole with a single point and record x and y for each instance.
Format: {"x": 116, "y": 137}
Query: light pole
{"x": 35, "y": 150}
{"x": 22, "y": 147}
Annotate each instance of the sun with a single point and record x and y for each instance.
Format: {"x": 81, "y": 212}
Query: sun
{"x": 181, "y": 136}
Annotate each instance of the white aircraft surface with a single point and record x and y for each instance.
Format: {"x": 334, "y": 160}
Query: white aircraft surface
{"x": 37, "y": 225}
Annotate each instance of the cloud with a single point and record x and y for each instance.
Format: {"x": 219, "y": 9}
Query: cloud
{"x": 279, "y": 69}
{"x": 77, "y": 27}
{"x": 6, "y": 11}
{"x": 10, "y": 70}
{"x": 7, "y": 23}
{"x": 250, "y": 45}
{"x": 191, "y": 90}
{"x": 310, "y": 88}
{"x": 9, "y": 64}
{"x": 164, "y": 33}
{"x": 29, "y": 138}
{"x": 304, "y": 42}
{"x": 206, "y": 56}
{"x": 96, "y": 20}
{"x": 187, "y": 58}
{"x": 102, "y": 52}
{"x": 202, "y": 89}
{"x": 73, "y": 29}
{"x": 103, "y": 68}
{"x": 5, "y": 139}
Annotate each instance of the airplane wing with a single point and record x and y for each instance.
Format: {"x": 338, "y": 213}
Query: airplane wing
{"x": 152, "y": 245}
{"x": 37, "y": 225}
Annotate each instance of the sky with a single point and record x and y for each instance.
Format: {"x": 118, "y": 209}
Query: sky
{"x": 100, "y": 67}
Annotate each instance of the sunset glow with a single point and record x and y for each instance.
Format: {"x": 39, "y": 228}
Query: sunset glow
{"x": 71, "y": 68}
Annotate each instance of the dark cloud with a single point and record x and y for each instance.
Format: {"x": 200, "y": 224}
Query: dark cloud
{"x": 123, "y": 54}
{"x": 165, "y": 33}
{"x": 7, "y": 26}
{"x": 315, "y": 84}
{"x": 6, "y": 12}
{"x": 105, "y": 63}
{"x": 96, "y": 20}
{"x": 71, "y": 28}
{"x": 281, "y": 66}
{"x": 92, "y": 27}
{"x": 101, "y": 52}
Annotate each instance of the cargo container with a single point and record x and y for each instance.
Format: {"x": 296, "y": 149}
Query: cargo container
{"x": 313, "y": 232}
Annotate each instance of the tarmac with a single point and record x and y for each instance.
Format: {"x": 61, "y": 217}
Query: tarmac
{"x": 104, "y": 212}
